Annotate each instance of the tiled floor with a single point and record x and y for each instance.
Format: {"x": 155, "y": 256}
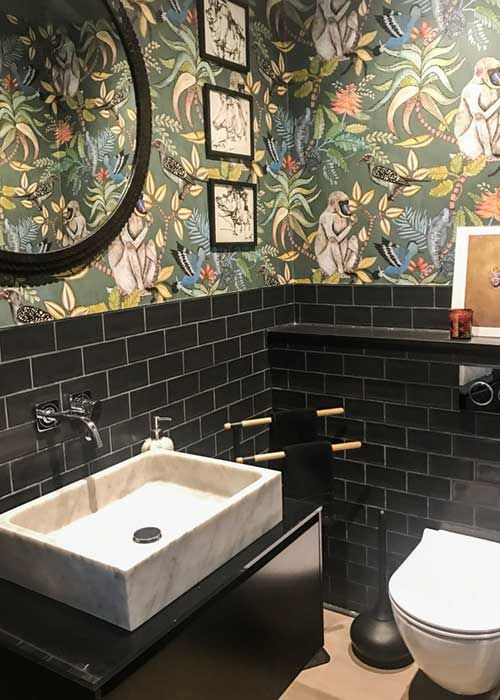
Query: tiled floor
{"x": 346, "y": 678}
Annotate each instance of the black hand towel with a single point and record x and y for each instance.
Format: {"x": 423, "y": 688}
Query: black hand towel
{"x": 307, "y": 470}
{"x": 293, "y": 427}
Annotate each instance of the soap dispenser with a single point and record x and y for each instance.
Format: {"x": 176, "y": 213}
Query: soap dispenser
{"x": 157, "y": 441}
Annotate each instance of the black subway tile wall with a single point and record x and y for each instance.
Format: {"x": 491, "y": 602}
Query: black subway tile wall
{"x": 171, "y": 359}
{"x": 424, "y": 461}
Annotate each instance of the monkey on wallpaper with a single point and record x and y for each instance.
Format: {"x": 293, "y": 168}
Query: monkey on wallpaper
{"x": 134, "y": 262}
{"x": 477, "y": 126}
{"x": 74, "y": 221}
{"x": 335, "y": 251}
{"x": 335, "y": 29}
{"x": 66, "y": 68}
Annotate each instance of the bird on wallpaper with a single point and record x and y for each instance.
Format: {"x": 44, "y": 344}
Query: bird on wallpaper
{"x": 271, "y": 74}
{"x": 42, "y": 192}
{"x": 384, "y": 176}
{"x": 398, "y": 33}
{"x": 116, "y": 166}
{"x": 26, "y": 77}
{"x": 176, "y": 11}
{"x": 277, "y": 153}
{"x": 22, "y": 313}
{"x": 118, "y": 100}
{"x": 397, "y": 256}
{"x": 74, "y": 221}
{"x": 174, "y": 170}
{"x": 190, "y": 264}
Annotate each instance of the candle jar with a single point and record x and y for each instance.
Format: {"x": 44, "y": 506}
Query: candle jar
{"x": 461, "y": 324}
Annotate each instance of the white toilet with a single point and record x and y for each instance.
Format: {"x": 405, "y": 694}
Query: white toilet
{"x": 446, "y": 602}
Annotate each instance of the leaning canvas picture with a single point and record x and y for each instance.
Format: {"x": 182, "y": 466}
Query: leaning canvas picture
{"x": 233, "y": 214}
{"x": 228, "y": 124}
{"x": 224, "y": 33}
{"x": 476, "y": 279}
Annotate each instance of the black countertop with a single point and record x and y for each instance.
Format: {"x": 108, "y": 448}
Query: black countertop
{"x": 91, "y": 652}
{"x": 433, "y": 339}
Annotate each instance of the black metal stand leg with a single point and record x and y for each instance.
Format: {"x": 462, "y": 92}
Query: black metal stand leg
{"x": 236, "y": 431}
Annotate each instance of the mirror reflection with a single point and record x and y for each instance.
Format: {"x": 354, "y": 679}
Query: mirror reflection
{"x": 67, "y": 122}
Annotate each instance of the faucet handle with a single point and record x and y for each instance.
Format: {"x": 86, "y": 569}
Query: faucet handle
{"x": 158, "y": 420}
{"x": 83, "y": 404}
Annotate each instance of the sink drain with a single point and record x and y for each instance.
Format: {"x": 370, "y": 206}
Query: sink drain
{"x": 146, "y": 535}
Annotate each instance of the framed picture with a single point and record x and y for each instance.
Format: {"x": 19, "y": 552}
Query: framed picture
{"x": 228, "y": 124}
{"x": 224, "y": 33}
{"x": 233, "y": 214}
{"x": 476, "y": 277}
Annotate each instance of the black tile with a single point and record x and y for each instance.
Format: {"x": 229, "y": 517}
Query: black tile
{"x": 261, "y": 361}
{"x": 476, "y": 494}
{"x": 199, "y": 405}
{"x": 396, "y": 317}
{"x": 488, "y": 518}
{"x": 429, "y": 441}
{"x": 360, "y": 408}
{"x": 407, "y": 460}
{"x": 324, "y": 362}
{"x": 78, "y": 451}
{"x": 401, "y": 544}
{"x": 343, "y": 386}
{"x": 335, "y": 294}
{"x": 195, "y": 310}
{"x": 237, "y": 325}
{"x": 443, "y": 374}
{"x": 262, "y": 401}
{"x": 410, "y": 416}
{"x": 130, "y": 431}
{"x": 14, "y": 377}
{"x": 253, "y": 342}
{"x": 288, "y": 359}
{"x": 224, "y": 305}
{"x": 24, "y": 341}
{"x": 204, "y": 448}
{"x": 407, "y": 370}
{"x": 181, "y": 337}
{"x": 361, "y": 534}
{"x": 353, "y": 315}
{"x": 212, "y": 423}
{"x": 374, "y": 454}
{"x": 112, "y": 410}
{"x": 95, "y": 384}
{"x": 429, "y": 486}
{"x": 145, "y": 345}
{"x": 476, "y": 448}
{"x": 384, "y": 390}
{"x": 240, "y": 368}
{"x": 198, "y": 358}
{"x": 284, "y": 314}
{"x": 452, "y": 421}
{"x": 345, "y": 428}
{"x": 434, "y": 319}
{"x": 148, "y": 398}
{"x": 57, "y": 366}
{"x": 395, "y": 521}
{"x": 388, "y": 478}
{"x": 17, "y": 442}
{"x": 273, "y": 296}
{"x": 226, "y": 350}
{"x": 65, "y": 479}
{"x": 373, "y": 295}
{"x": 186, "y": 434}
{"x": 413, "y": 296}
{"x": 427, "y": 395}
{"x": 364, "y": 366}
{"x": 184, "y": 386}
{"x": 165, "y": 367}
{"x": 416, "y": 526}
{"x": 407, "y": 503}
{"x": 213, "y": 376}
{"x": 306, "y": 293}
{"x": 104, "y": 356}
{"x": 110, "y": 460}
{"x": 451, "y": 467}
{"x": 254, "y": 384}
{"x": 386, "y": 434}
{"x": 488, "y": 424}
{"x": 485, "y": 472}
{"x": 3, "y": 415}
{"x": 346, "y": 469}
{"x": 128, "y": 377}
{"x": 442, "y": 296}
{"x": 19, "y": 498}
{"x": 37, "y": 467}
{"x": 227, "y": 394}
{"x": 164, "y": 315}
{"x": 82, "y": 330}
{"x": 119, "y": 324}
{"x": 210, "y": 331}
{"x": 262, "y": 319}
{"x": 251, "y": 300}
{"x": 451, "y": 511}
{"x": 307, "y": 381}
{"x": 316, "y": 313}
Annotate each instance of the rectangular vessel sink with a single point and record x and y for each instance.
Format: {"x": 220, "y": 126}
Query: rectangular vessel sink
{"x": 77, "y": 545}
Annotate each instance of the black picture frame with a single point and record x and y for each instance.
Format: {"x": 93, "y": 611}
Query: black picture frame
{"x": 218, "y": 153}
{"x": 216, "y": 242}
{"x": 38, "y": 267}
{"x": 214, "y": 58}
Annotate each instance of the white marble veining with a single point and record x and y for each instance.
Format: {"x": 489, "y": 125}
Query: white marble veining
{"x": 76, "y": 545}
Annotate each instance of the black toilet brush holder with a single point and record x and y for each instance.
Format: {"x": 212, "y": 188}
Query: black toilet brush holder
{"x": 375, "y": 637}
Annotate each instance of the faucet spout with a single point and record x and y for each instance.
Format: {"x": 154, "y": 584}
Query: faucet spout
{"x": 81, "y": 408}
{"x": 92, "y": 434}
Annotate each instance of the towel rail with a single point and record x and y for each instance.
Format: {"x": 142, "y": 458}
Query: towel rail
{"x": 255, "y": 422}
{"x": 272, "y": 456}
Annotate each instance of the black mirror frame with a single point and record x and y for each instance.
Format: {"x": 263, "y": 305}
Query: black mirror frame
{"x": 27, "y": 265}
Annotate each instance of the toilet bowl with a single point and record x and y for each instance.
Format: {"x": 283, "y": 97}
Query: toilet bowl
{"x": 446, "y": 603}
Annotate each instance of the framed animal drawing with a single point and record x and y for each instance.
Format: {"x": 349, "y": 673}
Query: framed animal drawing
{"x": 233, "y": 214}
{"x": 224, "y": 33}
{"x": 228, "y": 124}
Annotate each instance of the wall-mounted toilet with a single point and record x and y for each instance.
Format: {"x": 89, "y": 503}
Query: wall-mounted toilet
{"x": 446, "y": 602}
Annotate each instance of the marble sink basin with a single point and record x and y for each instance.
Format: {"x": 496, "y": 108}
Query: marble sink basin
{"x": 76, "y": 545}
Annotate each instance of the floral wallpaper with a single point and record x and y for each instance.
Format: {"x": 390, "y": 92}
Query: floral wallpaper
{"x": 378, "y": 133}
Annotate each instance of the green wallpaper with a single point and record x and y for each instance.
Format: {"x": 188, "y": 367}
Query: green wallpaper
{"x": 385, "y": 136}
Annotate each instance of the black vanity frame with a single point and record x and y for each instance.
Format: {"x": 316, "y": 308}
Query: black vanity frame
{"x": 28, "y": 265}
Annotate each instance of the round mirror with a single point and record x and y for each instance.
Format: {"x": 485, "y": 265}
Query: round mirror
{"x": 75, "y": 131}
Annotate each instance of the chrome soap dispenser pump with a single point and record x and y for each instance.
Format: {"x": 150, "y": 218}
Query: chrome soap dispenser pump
{"x": 158, "y": 441}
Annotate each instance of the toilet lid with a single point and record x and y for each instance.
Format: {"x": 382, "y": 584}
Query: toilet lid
{"x": 451, "y": 582}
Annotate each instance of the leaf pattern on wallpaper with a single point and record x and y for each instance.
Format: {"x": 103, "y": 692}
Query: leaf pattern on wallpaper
{"x": 334, "y": 81}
